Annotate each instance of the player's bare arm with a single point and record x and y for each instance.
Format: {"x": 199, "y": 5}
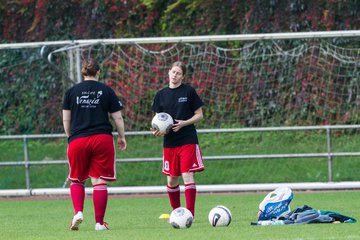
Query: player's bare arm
{"x": 119, "y": 123}
{"x": 66, "y": 121}
{"x": 198, "y": 115}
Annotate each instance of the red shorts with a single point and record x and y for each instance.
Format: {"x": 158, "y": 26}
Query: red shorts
{"x": 186, "y": 158}
{"x": 92, "y": 156}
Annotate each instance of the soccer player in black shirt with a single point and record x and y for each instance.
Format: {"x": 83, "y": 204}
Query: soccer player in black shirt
{"x": 91, "y": 150}
{"x": 181, "y": 153}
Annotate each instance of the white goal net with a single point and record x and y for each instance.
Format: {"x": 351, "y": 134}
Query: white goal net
{"x": 253, "y": 83}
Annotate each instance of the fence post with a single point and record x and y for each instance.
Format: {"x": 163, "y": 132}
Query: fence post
{"x": 70, "y": 54}
{"x": 78, "y": 65}
{"x": 328, "y": 140}
{"x": 27, "y": 165}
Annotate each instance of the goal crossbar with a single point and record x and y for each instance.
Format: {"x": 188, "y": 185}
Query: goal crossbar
{"x": 189, "y": 39}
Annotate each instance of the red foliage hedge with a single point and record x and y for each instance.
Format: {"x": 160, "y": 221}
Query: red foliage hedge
{"x": 39, "y": 20}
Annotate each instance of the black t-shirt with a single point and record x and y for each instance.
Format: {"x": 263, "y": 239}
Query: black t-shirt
{"x": 181, "y": 103}
{"x": 90, "y": 103}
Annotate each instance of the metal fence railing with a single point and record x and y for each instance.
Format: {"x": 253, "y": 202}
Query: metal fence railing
{"x": 329, "y": 154}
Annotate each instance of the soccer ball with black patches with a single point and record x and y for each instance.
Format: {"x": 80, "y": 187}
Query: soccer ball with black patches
{"x": 220, "y": 216}
{"x": 181, "y": 218}
{"x": 163, "y": 122}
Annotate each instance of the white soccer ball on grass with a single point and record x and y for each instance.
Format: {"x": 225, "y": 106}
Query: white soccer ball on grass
{"x": 163, "y": 122}
{"x": 220, "y": 216}
{"x": 181, "y": 218}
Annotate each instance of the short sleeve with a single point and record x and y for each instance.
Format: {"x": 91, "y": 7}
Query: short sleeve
{"x": 155, "y": 107}
{"x": 196, "y": 101}
{"x": 66, "y": 101}
{"x": 115, "y": 103}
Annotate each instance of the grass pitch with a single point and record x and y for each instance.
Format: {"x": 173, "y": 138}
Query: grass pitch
{"x": 138, "y": 218}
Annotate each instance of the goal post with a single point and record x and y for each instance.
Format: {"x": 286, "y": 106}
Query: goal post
{"x": 250, "y": 80}
{"x": 189, "y": 39}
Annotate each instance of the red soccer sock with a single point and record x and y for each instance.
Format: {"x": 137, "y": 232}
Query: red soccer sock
{"x": 100, "y": 197}
{"x": 190, "y": 197}
{"x": 174, "y": 196}
{"x": 77, "y": 193}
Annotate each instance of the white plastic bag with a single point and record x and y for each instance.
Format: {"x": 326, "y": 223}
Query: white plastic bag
{"x": 275, "y": 204}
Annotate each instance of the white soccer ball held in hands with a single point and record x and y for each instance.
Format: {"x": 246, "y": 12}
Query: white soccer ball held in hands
{"x": 162, "y": 122}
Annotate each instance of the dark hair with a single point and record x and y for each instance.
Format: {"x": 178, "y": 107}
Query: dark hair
{"x": 180, "y": 65}
{"x": 90, "y": 67}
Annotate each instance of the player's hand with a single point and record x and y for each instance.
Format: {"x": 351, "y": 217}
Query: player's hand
{"x": 121, "y": 142}
{"x": 156, "y": 132}
{"x": 178, "y": 125}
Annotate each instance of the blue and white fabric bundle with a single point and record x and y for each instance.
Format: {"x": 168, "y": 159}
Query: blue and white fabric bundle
{"x": 275, "y": 204}
{"x": 275, "y": 210}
